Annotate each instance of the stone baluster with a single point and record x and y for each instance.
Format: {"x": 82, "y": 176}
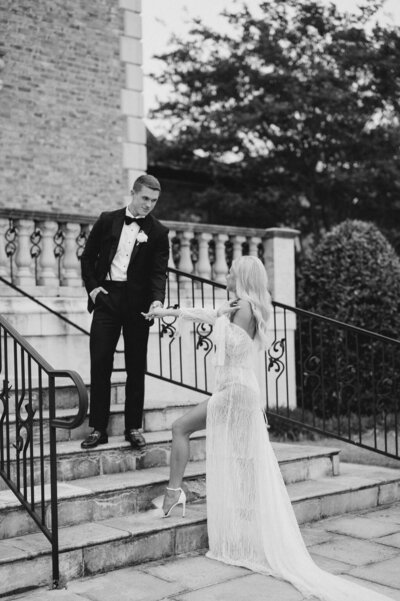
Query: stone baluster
{"x": 220, "y": 266}
{"x": 203, "y": 266}
{"x": 254, "y": 242}
{"x": 4, "y": 260}
{"x": 47, "y": 260}
{"x": 71, "y": 271}
{"x": 171, "y": 236}
{"x": 237, "y": 243}
{"x": 185, "y": 263}
{"x": 24, "y": 275}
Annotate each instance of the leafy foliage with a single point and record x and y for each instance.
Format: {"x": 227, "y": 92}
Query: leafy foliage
{"x": 353, "y": 275}
{"x": 296, "y": 110}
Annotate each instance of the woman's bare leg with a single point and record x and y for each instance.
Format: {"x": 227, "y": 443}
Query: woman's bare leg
{"x": 182, "y": 428}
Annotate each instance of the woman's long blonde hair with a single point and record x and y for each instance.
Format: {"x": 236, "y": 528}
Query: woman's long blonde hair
{"x": 252, "y": 286}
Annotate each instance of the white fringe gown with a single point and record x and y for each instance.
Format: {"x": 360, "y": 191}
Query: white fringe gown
{"x": 251, "y": 522}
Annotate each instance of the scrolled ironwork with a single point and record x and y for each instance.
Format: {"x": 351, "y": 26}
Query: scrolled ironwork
{"x": 275, "y": 353}
{"x": 4, "y": 399}
{"x": 203, "y": 332}
{"x": 11, "y": 235}
{"x": 167, "y": 324}
{"x": 36, "y": 250}
{"x": 24, "y": 424}
{"x": 81, "y": 240}
{"x": 167, "y": 327}
{"x": 36, "y": 238}
{"x": 59, "y": 238}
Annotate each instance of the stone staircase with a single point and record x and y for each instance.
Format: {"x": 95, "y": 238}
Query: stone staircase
{"x": 106, "y": 516}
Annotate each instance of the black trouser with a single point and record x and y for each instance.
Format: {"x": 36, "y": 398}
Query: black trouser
{"x": 112, "y": 313}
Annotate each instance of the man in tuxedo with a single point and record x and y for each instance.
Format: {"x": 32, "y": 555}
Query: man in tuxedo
{"x": 124, "y": 269}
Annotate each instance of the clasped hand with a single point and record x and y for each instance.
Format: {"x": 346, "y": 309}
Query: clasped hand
{"x": 228, "y": 307}
{"x": 155, "y": 312}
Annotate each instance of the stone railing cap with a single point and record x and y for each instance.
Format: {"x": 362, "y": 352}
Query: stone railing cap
{"x": 179, "y": 226}
{"x": 281, "y": 232}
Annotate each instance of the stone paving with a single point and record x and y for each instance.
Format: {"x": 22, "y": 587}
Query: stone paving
{"x": 364, "y": 547}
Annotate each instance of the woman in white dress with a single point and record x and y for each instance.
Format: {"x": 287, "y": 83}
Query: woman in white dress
{"x": 250, "y": 519}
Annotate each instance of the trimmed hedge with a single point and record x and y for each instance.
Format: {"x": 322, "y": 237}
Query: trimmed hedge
{"x": 353, "y": 275}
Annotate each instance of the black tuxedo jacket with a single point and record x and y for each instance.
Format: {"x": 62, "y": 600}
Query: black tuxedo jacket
{"x": 147, "y": 270}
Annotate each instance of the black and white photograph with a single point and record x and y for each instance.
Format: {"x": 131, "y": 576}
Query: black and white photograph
{"x": 200, "y": 300}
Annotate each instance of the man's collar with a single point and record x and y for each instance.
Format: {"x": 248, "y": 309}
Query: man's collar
{"x": 129, "y": 213}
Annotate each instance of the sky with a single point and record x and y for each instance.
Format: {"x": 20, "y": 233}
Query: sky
{"x": 162, "y": 18}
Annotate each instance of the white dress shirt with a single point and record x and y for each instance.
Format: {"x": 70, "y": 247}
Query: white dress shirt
{"x": 120, "y": 263}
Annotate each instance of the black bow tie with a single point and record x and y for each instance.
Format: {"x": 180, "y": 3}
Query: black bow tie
{"x": 129, "y": 220}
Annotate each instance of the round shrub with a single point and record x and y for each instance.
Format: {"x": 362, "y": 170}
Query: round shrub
{"x": 353, "y": 275}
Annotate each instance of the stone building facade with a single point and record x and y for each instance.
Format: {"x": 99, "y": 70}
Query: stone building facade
{"x": 72, "y": 137}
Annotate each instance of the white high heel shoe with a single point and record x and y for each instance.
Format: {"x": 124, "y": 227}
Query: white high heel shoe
{"x": 158, "y": 502}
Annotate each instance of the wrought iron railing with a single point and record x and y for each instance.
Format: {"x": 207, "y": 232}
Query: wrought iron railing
{"x": 186, "y": 361}
{"x": 318, "y": 374}
{"x": 346, "y": 379}
{"x": 28, "y": 424}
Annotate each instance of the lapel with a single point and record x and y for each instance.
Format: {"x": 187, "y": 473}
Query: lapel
{"x": 146, "y": 228}
{"x": 116, "y": 229}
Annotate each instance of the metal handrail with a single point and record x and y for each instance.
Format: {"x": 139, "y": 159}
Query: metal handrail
{"x": 19, "y": 472}
{"x": 38, "y": 302}
{"x": 335, "y": 322}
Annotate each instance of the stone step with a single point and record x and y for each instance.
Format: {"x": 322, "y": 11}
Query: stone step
{"x": 74, "y": 463}
{"x": 297, "y": 463}
{"x": 108, "y": 544}
{"x": 101, "y": 496}
{"x": 97, "y": 498}
{"x": 66, "y": 396}
{"x": 157, "y": 416}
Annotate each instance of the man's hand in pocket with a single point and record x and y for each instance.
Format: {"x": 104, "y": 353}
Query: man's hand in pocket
{"x": 93, "y": 294}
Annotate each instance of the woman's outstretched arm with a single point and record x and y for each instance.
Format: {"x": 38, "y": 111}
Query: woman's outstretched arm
{"x": 201, "y": 314}
{"x": 160, "y": 312}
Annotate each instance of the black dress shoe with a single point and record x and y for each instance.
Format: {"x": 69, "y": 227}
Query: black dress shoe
{"x": 135, "y": 438}
{"x": 94, "y": 439}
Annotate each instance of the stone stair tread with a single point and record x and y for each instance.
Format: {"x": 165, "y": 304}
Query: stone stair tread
{"x": 291, "y": 452}
{"x": 138, "y": 478}
{"x": 72, "y": 447}
{"x": 119, "y": 442}
{"x": 159, "y": 403}
{"x": 150, "y": 405}
{"x": 285, "y": 452}
{"x": 30, "y": 546}
{"x": 99, "y": 538}
{"x": 352, "y": 477}
{"x": 106, "y": 483}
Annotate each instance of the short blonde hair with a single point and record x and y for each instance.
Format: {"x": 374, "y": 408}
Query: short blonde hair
{"x": 149, "y": 181}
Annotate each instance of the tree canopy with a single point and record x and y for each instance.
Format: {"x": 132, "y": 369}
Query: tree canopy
{"x": 293, "y": 112}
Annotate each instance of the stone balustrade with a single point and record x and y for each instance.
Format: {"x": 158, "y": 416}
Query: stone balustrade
{"x": 43, "y": 249}
{"x": 40, "y": 252}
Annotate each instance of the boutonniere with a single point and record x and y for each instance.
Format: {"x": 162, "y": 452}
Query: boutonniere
{"x": 141, "y": 237}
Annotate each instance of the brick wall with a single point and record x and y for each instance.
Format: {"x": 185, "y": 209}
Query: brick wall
{"x": 61, "y": 127}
